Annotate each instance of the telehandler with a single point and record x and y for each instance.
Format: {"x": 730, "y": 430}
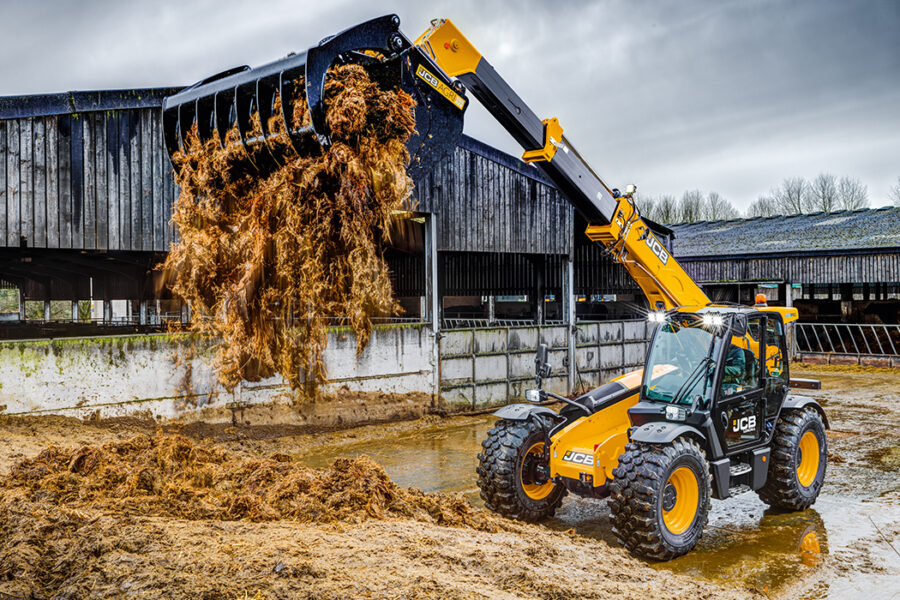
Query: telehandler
{"x": 711, "y": 414}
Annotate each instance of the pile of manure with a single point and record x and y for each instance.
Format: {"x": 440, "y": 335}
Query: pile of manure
{"x": 169, "y": 475}
{"x": 268, "y": 251}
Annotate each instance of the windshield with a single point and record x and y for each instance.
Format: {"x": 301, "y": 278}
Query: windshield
{"x": 682, "y": 360}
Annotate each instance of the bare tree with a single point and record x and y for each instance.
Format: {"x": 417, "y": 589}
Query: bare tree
{"x": 792, "y": 196}
{"x": 823, "y": 193}
{"x": 764, "y": 206}
{"x": 666, "y": 209}
{"x": 690, "y": 209}
{"x": 718, "y": 208}
{"x": 852, "y": 193}
{"x": 647, "y": 205}
{"x": 894, "y": 193}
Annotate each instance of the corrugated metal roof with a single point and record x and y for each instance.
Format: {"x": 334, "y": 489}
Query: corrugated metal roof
{"x": 824, "y": 233}
{"x": 43, "y": 105}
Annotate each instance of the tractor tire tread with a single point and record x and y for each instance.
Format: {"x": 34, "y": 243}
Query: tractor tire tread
{"x": 782, "y": 490}
{"x": 637, "y": 480}
{"x": 498, "y": 477}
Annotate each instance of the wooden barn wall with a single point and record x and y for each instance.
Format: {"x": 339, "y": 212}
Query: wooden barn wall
{"x": 596, "y": 273}
{"x": 484, "y": 206}
{"x": 88, "y": 181}
{"x": 853, "y": 268}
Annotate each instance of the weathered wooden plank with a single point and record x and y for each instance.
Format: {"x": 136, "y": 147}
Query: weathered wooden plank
{"x": 124, "y": 152}
{"x": 26, "y": 174}
{"x": 146, "y": 182}
{"x": 3, "y": 181}
{"x": 81, "y": 197}
{"x": 66, "y": 169}
{"x": 135, "y": 175}
{"x": 158, "y": 198}
{"x": 89, "y": 220}
{"x": 51, "y": 125}
{"x": 114, "y": 221}
{"x": 39, "y": 183}
{"x": 100, "y": 164}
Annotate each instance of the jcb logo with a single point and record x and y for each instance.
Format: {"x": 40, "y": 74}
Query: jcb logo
{"x": 744, "y": 424}
{"x": 580, "y": 458}
{"x": 661, "y": 253}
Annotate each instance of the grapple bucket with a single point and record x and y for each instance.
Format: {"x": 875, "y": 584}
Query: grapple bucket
{"x": 230, "y": 99}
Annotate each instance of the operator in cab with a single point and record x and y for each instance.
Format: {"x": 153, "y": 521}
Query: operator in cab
{"x": 735, "y": 368}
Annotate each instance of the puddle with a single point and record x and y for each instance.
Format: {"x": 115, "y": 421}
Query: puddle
{"x": 841, "y": 548}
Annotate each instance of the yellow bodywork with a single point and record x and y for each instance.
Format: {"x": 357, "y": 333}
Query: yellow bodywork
{"x": 449, "y": 48}
{"x": 634, "y": 246}
{"x": 602, "y": 436}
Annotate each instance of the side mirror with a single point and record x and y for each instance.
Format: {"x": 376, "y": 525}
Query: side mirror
{"x": 541, "y": 364}
{"x": 739, "y": 325}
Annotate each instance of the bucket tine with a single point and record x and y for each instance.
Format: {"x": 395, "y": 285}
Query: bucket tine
{"x": 234, "y": 99}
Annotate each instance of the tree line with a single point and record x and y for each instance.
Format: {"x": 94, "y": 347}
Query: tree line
{"x": 795, "y": 195}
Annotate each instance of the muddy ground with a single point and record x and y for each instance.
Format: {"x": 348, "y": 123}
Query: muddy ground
{"x": 748, "y": 551}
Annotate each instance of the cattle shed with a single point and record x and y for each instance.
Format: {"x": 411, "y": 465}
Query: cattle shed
{"x": 836, "y": 266}
{"x": 86, "y": 193}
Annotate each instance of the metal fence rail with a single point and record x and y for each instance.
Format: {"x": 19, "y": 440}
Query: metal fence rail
{"x": 847, "y": 338}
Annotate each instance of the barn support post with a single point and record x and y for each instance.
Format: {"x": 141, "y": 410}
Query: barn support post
{"x": 74, "y": 311}
{"x": 568, "y": 314}
{"x": 47, "y": 313}
{"x": 143, "y": 312}
{"x": 432, "y": 303}
{"x": 21, "y": 304}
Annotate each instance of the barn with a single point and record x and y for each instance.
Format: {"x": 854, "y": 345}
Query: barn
{"x": 86, "y": 191}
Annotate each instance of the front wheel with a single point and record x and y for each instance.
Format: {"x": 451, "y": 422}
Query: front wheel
{"x": 660, "y": 498}
{"x": 513, "y": 475}
{"x": 799, "y": 458}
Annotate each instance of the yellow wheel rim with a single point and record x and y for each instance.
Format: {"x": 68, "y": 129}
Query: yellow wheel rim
{"x": 687, "y": 498}
{"x": 808, "y": 461}
{"x": 535, "y": 491}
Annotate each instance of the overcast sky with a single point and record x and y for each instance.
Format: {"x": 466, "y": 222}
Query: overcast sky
{"x": 671, "y": 95}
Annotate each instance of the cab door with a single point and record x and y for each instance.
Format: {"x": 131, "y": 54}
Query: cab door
{"x": 741, "y": 393}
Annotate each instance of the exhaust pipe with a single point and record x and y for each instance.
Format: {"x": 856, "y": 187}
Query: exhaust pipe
{"x": 230, "y": 99}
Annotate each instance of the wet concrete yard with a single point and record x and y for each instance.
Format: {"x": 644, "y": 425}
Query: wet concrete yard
{"x": 844, "y": 547}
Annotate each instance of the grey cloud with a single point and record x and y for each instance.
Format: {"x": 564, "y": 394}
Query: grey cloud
{"x": 727, "y": 96}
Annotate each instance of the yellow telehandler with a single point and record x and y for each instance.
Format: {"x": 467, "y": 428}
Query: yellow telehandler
{"x": 711, "y": 414}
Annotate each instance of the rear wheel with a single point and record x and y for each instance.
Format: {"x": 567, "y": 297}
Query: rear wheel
{"x": 513, "y": 475}
{"x": 660, "y": 498}
{"x": 799, "y": 458}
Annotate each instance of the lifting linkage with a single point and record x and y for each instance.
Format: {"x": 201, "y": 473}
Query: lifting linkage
{"x": 231, "y": 98}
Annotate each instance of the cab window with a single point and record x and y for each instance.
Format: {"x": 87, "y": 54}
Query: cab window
{"x": 742, "y": 369}
{"x": 776, "y": 371}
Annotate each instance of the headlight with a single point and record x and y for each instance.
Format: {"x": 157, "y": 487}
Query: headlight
{"x": 657, "y": 316}
{"x": 676, "y": 413}
{"x": 533, "y": 395}
{"x": 713, "y": 320}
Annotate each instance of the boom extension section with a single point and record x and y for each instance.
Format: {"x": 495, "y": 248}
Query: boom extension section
{"x": 614, "y": 219}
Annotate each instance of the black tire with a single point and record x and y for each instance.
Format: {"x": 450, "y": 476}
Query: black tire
{"x": 785, "y": 486}
{"x": 640, "y": 490}
{"x": 501, "y": 477}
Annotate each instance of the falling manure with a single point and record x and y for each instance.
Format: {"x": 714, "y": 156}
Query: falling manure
{"x": 268, "y": 252}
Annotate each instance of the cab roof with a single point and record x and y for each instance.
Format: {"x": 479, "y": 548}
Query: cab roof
{"x": 788, "y": 314}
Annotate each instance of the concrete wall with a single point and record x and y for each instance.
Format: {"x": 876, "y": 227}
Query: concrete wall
{"x": 124, "y": 375}
{"x": 491, "y": 366}
{"x": 114, "y": 376}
